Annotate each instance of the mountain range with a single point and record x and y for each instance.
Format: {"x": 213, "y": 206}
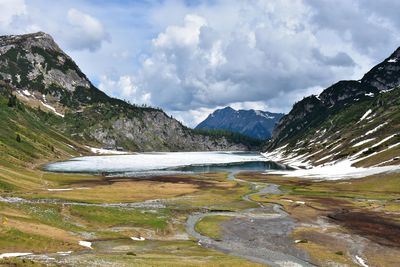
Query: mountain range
{"x": 253, "y": 123}
{"x": 355, "y": 121}
{"x": 42, "y": 89}
{"x": 50, "y": 110}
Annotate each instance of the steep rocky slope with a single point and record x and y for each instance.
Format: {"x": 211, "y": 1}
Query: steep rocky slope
{"x": 42, "y": 76}
{"x": 351, "y": 120}
{"x": 253, "y": 123}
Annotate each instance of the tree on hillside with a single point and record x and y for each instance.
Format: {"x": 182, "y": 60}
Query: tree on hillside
{"x": 12, "y": 101}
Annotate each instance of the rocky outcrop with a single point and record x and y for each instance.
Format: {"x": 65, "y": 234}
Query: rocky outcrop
{"x": 155, "y": 131}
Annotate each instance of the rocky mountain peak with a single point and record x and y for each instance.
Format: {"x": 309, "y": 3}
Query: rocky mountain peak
{"x": 394, "y": 56}
{"x": 43, "y": 74}
{"x": 386, "y": 75}
{"x": 253, "y": 123}
{"x": 27, "y": 41}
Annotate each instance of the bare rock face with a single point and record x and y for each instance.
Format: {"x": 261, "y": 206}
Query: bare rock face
{"x": 152, "y": 130}
{"x": 43, "y": 76}
{"x": 36, "y": 59}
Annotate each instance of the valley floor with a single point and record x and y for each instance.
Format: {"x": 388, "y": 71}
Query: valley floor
{"x": 206, "y": 219}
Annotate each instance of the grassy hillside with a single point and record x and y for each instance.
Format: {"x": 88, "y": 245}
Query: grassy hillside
{"x": 26, "y": 141}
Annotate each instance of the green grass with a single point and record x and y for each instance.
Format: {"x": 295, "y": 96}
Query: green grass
{"x": 109, "y": 216}
{"x": 48, "y": 214}
{"x": 210, "y": 226}
{"x": 13, "y": 240}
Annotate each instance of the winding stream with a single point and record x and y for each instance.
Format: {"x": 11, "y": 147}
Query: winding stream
{"x": 269, "y": 224}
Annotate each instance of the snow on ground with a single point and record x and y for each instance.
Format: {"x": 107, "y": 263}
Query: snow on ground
{"x": 336, "y": 171}
{"x": 363, "y": 142}
{"x": 64, "y": 253}
{"x": 370, "y": 94}
{"x": 375, "y": 129}
{"x": 138, "y": 238}
{"x": 142, "y": 162}
{"x": 14, "y": 254}
{"x": 384, "y": 140}
{"x": 324, "y": 158}
{"x": 375, "y": 153}
{"x": 26, "y": 92}
{"x": 337, "y": 146}
{"x": 361, "y": 261}
{"x": 365, "y": 115}
{"x": 86, "y": 244}
{"x": 52, "y": 109}
{"x": 103, "y": 151}
{"x": 66, "y": 189}
{"x": 60, "y": 189}
{"x": 295, "y": 161}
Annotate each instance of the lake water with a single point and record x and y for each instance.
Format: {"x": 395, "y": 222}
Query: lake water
{"x": 166, "y": 163}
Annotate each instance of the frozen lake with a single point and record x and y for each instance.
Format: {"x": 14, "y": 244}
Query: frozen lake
{"x": 169, "y": 162}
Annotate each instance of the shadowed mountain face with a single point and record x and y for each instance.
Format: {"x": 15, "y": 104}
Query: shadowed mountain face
{"x": 253, "y": 123}
{"x": 34, "y": 69}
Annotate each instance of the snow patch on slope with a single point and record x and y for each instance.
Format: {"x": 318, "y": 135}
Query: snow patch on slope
{"x": 363, "y": 142}
{"x": 334, "y": 170}
{"x": 365, "y": 115}
{"x": 86, "y": 244}
{"x": 103, "y": 151}
{"x": 52, "y": 109}
{"x": 375, "y": 129}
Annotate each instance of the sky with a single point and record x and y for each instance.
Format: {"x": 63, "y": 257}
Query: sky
{"x": 192, "y": 57}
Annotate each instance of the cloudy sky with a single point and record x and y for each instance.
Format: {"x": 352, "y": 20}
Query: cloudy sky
{"x": 191, "y": 57}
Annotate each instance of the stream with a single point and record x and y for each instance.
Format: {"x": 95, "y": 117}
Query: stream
{"x": 254, "y": 232}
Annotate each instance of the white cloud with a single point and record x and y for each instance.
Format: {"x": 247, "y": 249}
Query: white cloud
{"x": 9, "y": 11}
{"x": 256, "y": 105}
{"x": 192, "y": 117}
{"x": 125, "y": 88}
{"x": 187, "y": 35}
{"x": 85, "y": 31}
{"x": 267, "y": 49}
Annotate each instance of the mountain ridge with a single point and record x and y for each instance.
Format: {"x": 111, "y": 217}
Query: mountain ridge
{"x": 350, "y": 120}
{"x": 252, "y": 123}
